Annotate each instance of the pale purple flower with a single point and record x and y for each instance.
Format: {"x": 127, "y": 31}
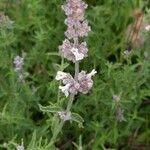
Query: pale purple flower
{"x": 126, "y": 53}
{"x": 18, "y": 62}
{"x": 65, "y": 89}
{"x": 74, "y": 7}
{"x": 83, "y": 48}
{"x": 70, "y": 85}
{"x": 65, "y": 50}
{"x": 120, "y": 115}
{"x": 21, "y": 77}
{"x": 61, "y": 75}
{"x": 2, "y": 18}
{"x": 73, "y": 53}
{"x": 83, "y": 84}
{"x": 20, "y": 148}
{"x": 77, "y": 26}
{"x": 5, "y": 21}
{"x": 85, "y": 81}
{"x": 77, "y": 54}
{"x": 64, "y": 115}
{"x": 71, "y": 33}
{"x": 80, "y": 30}
{"x": 70, "y": 21}
{"x": 147, "y": 28}
{"x": 83, "y": 29}
{"x": 116, "y": 98}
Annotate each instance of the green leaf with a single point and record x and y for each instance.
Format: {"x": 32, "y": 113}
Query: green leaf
{"x": 33, "y": 141}
{"x": 77, "y": 118}
{"x": 49, "y": 109}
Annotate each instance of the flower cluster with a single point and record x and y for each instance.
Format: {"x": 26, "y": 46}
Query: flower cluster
{"x": 77, "y": 27}
{"x": 70, "y": 85}
{"x": 120, "y": 115}
{"x": 74, "y": 51}
{"x": 147, "y": 28}
{"x": 116, "y": 98}
{"x": 71, "y": 52}
{"x": 5, "y": 21}
{"x": 83, "y": 83}
{"x": 19, "y": 62}
{"x": 20, "y": 148}
{"x": 64, "y": 115}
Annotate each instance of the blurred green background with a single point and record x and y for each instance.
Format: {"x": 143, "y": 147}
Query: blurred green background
{"x": 36, "y": 31}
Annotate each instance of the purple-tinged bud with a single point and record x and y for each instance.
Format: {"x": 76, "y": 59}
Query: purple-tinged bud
{"x": 64, "y": 115}
{"x": 74, "y": 7}
{"x": 83, "y": 29}
{"x": 77, "y": 25}
{"x": 18, "y": 62}
{"x": 71, "y": 33}
{"x": 147, "y": 28}
{"x": 120, "y": 115}
{"x": 85, "y": 81}
{"x": 20, "y": 148}
{"x": 5, "y": 21}
{"x": 70, "y": 85}
{"x": 116, "y": 98}
{"x": 68, "y": 51}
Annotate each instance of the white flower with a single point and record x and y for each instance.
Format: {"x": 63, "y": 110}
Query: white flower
{"x": 78, "y": 56}
{"x": 60, "y": 75}
{"x": 85, "y": 81}
{"x": 18, "y": 62}
{"x": 126, "y": 53}
{"x": 120, "y": 115}
{"x": 116, "y": 98}
{"x": 64, "y": 115}
{"x": 20, "y": 148}
{"x": 92, "y": 73}
{"x": 70, "y": 85}
{"x": 147, "y": 28}
{"x": 65, "y": 89}
{"x": 21, "y": 77}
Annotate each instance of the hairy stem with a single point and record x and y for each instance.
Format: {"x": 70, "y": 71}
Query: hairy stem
{"x": 61, "y": 69}
{"x": 70, "y": 102}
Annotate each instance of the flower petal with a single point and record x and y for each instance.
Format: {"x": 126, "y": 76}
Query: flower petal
{"x": 65, "y": 89}
{"x": 78, "y": 56}
{"x": 92, "y": 73}
{"x": 60, "y": 75}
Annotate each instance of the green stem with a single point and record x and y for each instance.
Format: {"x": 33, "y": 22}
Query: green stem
{"x": 69, "y": 105}
{"x": 61, "y": 69}
{"x": 57, "y": 132}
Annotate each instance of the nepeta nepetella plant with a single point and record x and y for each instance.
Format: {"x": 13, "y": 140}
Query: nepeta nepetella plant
{"x": 77, "y": 27}
{"x": 5, "y": 22}
{"x": 19, "y": 62}
{"x": 73, "y": 49}
{"x": 83, "y": 83}
{"x": 20, "y": 148}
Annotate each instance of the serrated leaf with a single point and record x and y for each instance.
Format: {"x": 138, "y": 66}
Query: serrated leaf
{"x": 64, "y": 66}
{"x": 49, "y": 109}
{"x": 53, "y": 54}
{"x": 54, "y": 125}
{"x": 56, "y": 66}
{"x": 77, "y": 118}
{"x": 33, "y": 141}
